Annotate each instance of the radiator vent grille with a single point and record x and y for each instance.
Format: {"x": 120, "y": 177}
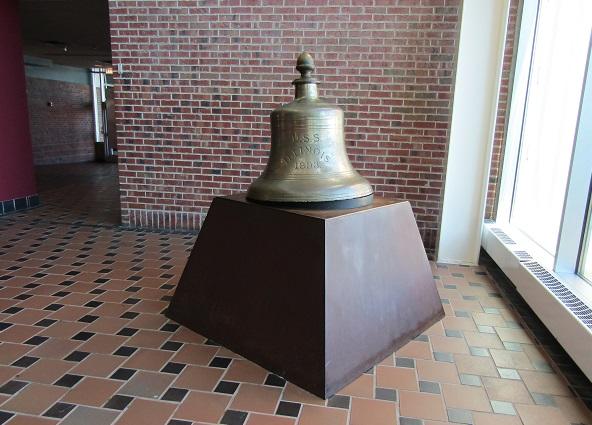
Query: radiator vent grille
{"x": 523, "y": 256}
{"x": 502, "y": 236}
{"x": 567, "y": 297}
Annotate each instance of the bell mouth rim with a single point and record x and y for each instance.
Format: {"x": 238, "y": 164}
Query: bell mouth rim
{"x": 336, "y": 204}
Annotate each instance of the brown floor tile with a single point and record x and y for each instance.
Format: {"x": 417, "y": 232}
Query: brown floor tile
{"x": 70, "y": 313}
{"x": 146, "y": 412}
{"x": 475, "y": 365}
{"x": 415, "y": 350}
{"x": 486, "y": 319}
{"x": 459, "y": 323}
{"x": 148, "y": 321}
{"x": 55, "y": 348}
{"x": 28, "y": 316}
{"x": 99, "y": 365}
{"x": 465, "y": 397}
{"x": 117, "y": 285}
{"x": 470, "y": 306}
{"x": 481, "y": 418}
{"x": 92, "y": 391}
{"x": 77, "y": 299}
{"x": 34, "y": 399}
{"x": 428, "y": 370}
{"x": 388, "y": 361}
{"x": 115, "y": 297}
{"x": 9, "y": 352}
{"x": 298, "y": 395}
{"x": 511, "y": 359}
{"x": 195, "y": 354}
{"x": 422, "y": 406}
{"x": 46, "y": 371}
{"x": 449, "y": 344}
{"x": 185, "y": 335}
{"x": 103, "y": 344}
{"x": 201, "y": 406}
{"x": 245, "y": 371}
{"x": 151, "y": 293}
{"x": 362, "y": 386}
{"x": 31, "y": 420}
{"x": 36, "y": 301}
{"x": 149, "y": 306}
{"x": 198, "y": 378}
{"x": 514, "y": 335}
{"x": 543, "y": 382}
{"x": 258, "y": 419}
{"x": 507, "y": 390}
{"x": 256, "y": 398}
{"x": 376, "y": 412}
{"x": 537, "y": 415}
{"x": 19, "y": 333}
{"x": 478, "y": 339}
{"x": 401, "y": 378}
{"x": 149, "y": 359}
{"x": 7, "y": 373}
{"x": 63, "y": 329}
{"x": 145, "y": 338}
{"x": 111, "y": 309}
{"x": 78, "y": 286}
{"x": 316, "y": 415}
{"x": 106, "y": 325}
{"x": 119, "y": 274}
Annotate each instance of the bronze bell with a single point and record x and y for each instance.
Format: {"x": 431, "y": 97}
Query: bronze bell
{"x": 308, "y": 164}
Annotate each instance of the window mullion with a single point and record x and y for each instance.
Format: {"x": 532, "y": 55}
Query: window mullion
{"x": 525, "y": 48}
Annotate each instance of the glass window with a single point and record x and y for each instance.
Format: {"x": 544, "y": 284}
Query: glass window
{"x": 554, "y": 93}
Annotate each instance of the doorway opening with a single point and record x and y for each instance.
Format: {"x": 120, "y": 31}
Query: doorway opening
{"x": 67, "y": 55}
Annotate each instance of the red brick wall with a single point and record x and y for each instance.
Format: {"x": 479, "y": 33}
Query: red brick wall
{"x": 502, "y": 108}
{"x": 199, "y": 79}
{"x": 63, "y": 133}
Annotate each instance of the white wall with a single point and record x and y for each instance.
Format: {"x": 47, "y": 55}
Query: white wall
{"x": 478, "y": 72}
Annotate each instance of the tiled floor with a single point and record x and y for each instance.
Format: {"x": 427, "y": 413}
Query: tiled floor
{"x": 86, "y": 193}
{"x": 84, "y": 341}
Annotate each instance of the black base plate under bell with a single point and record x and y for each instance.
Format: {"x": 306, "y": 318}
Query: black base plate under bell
{"x": 342, "y": 204}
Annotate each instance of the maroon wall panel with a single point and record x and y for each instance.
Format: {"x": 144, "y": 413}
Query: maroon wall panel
{"x": 17, "y": 179}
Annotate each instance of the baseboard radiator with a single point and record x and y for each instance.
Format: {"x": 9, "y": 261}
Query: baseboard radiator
{"x": 565, "y": 312}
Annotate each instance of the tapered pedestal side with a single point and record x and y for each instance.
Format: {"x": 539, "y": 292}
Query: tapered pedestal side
{"x": 317, "y": 297}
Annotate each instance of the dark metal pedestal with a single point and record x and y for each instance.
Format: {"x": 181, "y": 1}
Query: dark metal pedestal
{"x": 317, "y": 297}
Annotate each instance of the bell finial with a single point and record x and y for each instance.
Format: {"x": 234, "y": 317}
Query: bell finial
{"x": 306, "y": 85}
{"x": 305, "y": 65}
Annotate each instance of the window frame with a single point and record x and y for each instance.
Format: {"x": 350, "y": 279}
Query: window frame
{"x": 574, "y": 217}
